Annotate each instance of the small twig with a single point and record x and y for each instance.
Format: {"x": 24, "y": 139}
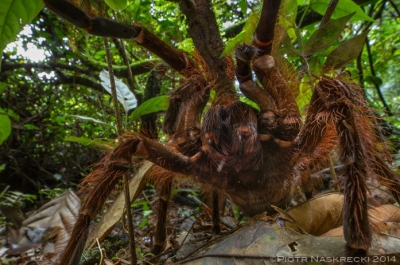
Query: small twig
{"x": 125, "y": 175}
{"x": 156, "y": 257}
{"x": 377, "y": 87}
{"x": 101, "y": 252}
{"x": 188, "y": 232}
{"x": 145, "y": 197}
{"x": 395, "y": 7}
{"x": 5, "y": 190}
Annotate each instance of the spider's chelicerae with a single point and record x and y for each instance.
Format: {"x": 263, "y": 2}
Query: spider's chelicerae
{"x": 252, "y": 155}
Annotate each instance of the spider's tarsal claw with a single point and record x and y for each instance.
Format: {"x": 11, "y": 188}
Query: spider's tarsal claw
{"x": 264, "y": 62}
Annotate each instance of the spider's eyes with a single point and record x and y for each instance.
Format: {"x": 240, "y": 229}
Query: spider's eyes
{"x": 245, "y": 130}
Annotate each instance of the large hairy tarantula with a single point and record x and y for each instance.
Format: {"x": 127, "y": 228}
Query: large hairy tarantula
{"x": 251, "y": 155}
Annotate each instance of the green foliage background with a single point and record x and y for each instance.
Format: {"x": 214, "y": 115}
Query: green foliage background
{"x": 44, "y": 142}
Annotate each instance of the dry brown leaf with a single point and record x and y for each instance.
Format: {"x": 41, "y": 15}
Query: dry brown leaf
{"x": 114, "y": 213}
{"x": 317, "y": 215}
{"x": 54, "y": 222}
{"x": 263, "y": 242}
{"x": 381, "y": 216}
{"x": 384, "y": 219}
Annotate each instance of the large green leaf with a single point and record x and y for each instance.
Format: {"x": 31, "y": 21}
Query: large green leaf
{"x": 150, "y": 106}
{"x": 5, "y": 126}
{"x": 343, "y": 8}
{"x": 117, "y": 5}
{"x": 325, "y": 35}
{"x": 245, "y": 36}
{"x": 96, "y": 143}
{"x": 14, "y": 14}
{"x": 346, "y": 52}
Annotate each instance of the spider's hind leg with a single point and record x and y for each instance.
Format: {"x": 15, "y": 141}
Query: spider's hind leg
{"x": 342, "y": 104}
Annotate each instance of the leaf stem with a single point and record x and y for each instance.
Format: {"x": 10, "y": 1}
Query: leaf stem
{"x": 329, "y": 11}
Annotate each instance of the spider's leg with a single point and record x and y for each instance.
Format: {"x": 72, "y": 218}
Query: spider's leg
{"x": 182, "y": 123}
{"x": 264, "y": 65}
{"x": 343, "y": 105}
{"x": 106, "y": 174}
{"x": 163, "y": 183}
{"x": 107, "y": 28}
{"x": 191, "y": 99}
{"x": 265, "y": 31}
{"x": 185, "y": 109}
{"x": 280, "y": 116}
{"x": 279, "y": 119}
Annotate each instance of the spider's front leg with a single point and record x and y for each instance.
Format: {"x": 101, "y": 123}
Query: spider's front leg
{"x": 280, "y": 116}
{"x": 342, "y": 104}
{"x": 182, "y": 124}
{"x": 103, "y": 27}
{"x": 279, "y": 119}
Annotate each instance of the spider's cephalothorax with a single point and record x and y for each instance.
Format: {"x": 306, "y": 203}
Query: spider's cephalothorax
{"x": 251, "y": 155}
{"x": 229, "y": 137}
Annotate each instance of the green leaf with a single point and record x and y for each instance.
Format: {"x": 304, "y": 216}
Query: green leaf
{"x": 303, "y": 2}
{"x": 343, "y": 8}
{"x": 243, "y": 6}
{"x": 233, "y": 43}
{"x": 14, "y": 15}
{"x": 2, "y": 87}
{"x": 346, "y": 52}
{"x": 288, "y": 48}
{"x": 117, "y": 5}
{"x": 5, "y": 126}
{"x": 373, "y": 80}
{"x": 290, "y": 11}
{"x": 305, "y": 92}
{"x": 96, "y": 143}
{"x": 187, "y": 45}
{"x": 150, "y": 106}
{"x": 325, "y": 35}
{"x": 245, "y": 36}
